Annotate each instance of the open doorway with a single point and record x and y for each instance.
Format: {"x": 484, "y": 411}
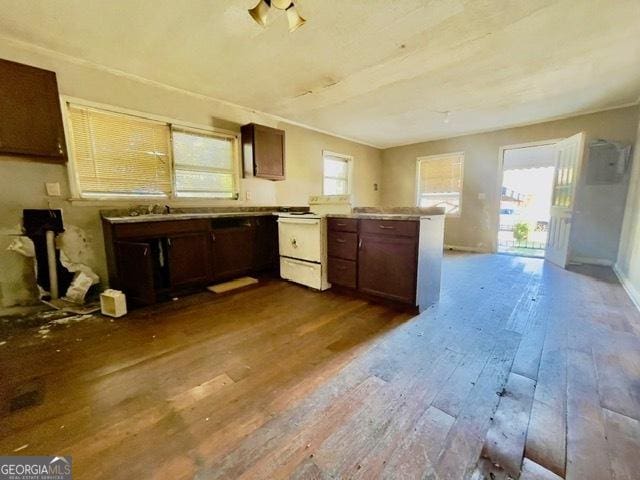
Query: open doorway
{"x": 525, "y": 199}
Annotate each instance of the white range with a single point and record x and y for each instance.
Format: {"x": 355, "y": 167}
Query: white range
{"x": 303, "y": 240}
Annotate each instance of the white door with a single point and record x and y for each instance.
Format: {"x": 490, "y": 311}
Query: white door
{"x": 569, "y": 154}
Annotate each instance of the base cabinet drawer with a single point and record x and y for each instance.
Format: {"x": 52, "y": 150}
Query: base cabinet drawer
{"x": 343, "y": 245}
{"x": 343, "y": 224}
{"x": 342, "y": 272}
{"x": 305, "y": 273}
{"x": 408, "y": 228}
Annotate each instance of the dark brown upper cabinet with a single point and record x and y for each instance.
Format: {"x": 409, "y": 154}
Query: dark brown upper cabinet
{"x": 30, "y": 116}
{"x": 263, "y": 151}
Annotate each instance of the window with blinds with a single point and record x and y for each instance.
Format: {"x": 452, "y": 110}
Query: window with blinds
{"x": 203, "y": 164}
{"x": 440, "y": 182}
{"x": 119, "y": 155}
{"x": 336, "y": 174}
{"x": 122, "y": 155}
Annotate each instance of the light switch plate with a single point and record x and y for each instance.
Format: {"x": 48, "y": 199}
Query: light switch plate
{"x": 482, "y": 196}
{"x": 53, "y": 189}
{"x": 247, "y": 195}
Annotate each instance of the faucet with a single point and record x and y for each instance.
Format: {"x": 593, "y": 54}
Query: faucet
{"x": 167, "y": 209}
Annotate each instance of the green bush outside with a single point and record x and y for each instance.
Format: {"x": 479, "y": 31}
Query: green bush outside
{"x": 521, "y": 231}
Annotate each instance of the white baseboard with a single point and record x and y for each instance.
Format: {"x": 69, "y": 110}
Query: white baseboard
{"x": 592, "y": 261}
{"x": 634, "y": 295}
{"x": 461, "y": 248}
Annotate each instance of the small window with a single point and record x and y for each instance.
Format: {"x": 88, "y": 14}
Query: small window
{"x": 439, "y": 180}
{"x": 119, "y": 155}
{"x": 203, "y": 164}
{"x": 337, "y": 173}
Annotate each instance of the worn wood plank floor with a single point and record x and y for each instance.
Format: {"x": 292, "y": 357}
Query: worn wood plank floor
{"x": 522, "y": 369}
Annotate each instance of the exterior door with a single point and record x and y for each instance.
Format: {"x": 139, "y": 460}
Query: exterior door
{"x": 189, "y": 259}
{"x": 569, "y": 154}
{"x": 135, "y": 271}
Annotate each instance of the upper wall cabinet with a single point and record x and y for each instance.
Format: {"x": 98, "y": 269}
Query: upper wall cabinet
{"x": 263, "y": 150}
{"x": 30, "y": 116}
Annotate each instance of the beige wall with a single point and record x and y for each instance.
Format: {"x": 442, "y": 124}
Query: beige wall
{"x": 628, "y": 265}
{"x": 596, "y": 229}
{"x": 22, "y": 180}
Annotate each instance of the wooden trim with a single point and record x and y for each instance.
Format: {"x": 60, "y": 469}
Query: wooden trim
{"x": 592, "y": 261}
{"x": 631, "y": 290}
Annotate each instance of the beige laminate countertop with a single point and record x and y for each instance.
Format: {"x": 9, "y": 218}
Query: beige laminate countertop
{"x": 163, "y": 217}
{"x": 385, "y": 216}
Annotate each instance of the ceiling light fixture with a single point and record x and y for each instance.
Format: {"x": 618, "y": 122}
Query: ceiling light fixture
{"x": 260, "y": 12}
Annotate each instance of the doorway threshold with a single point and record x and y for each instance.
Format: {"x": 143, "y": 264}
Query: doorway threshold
{"x": 522, "y": 254}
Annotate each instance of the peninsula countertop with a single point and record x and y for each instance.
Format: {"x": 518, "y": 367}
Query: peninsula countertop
{"x": 399, "y": 213}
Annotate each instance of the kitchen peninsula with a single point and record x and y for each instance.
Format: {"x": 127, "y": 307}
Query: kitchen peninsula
{"x": 395, "y": 254}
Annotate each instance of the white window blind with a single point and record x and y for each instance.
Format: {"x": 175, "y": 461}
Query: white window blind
{"x": 440, "y": 181}
{"x": 119, "y": 155}
{"x": 336, "y": 174}
{"x": 203, "y": 164}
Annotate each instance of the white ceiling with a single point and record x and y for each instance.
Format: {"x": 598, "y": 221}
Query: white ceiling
{"x": 378, "y": 71}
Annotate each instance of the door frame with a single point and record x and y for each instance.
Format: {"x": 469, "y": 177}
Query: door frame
{"x": 498, "y": 190}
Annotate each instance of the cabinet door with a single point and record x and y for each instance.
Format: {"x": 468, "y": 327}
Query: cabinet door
{"x": 266, "y": 243}
{"x": 30, "y": 117}
{"x": 189, "y": 259}
{"x": 387, "y": 267}
{"x": 233, "y": 251}
{"x": 263, "y": 149}
{"x": 135, "y": 272}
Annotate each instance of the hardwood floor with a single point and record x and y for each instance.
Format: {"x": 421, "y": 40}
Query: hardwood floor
{"x": 521, "y": 367}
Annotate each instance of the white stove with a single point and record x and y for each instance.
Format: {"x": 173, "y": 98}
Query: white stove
{"x": 303, "y": 241}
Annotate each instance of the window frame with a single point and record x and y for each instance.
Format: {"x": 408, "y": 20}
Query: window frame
{"x": 441, "y": 156}
{"x": 74, "y": 181}
{"x": 235, "y": 194}
{"x": 349, "y": 161}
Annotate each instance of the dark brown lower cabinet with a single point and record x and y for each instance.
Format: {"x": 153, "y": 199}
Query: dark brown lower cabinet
{"x": 387, "y": 267}
{"x": 151, "y": 261}
{"x": 399, "y": 260}
{"x": 189, "y": 261}
{"x": 233, "y": 250}
{"x": 136, "y": 259}
{"x": 266, "y": 243}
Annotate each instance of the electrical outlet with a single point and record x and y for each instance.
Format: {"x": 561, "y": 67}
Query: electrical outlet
{"x": 247, "y": 195}
{"x": 53, "y": 189}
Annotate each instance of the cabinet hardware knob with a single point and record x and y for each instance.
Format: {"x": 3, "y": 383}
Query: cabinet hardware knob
{"x": 213, "y": 236}
{"x": 360, "y": 244}
{"x": 340, "y": 240}
{"x": 341, "y": 224}
{"x": 294, "y": 243}
{"x": 386, "y": 227}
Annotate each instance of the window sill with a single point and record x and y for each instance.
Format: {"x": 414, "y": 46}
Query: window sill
{"x": 174, "y": 202}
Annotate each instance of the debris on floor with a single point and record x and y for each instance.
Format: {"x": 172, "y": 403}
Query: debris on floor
{"x": 233, "y": 284}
